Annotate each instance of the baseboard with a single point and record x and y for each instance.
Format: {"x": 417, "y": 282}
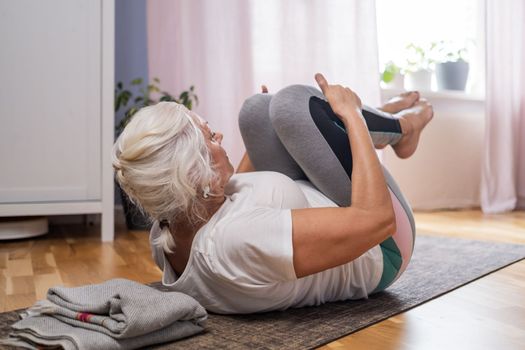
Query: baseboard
{"x": 120, "y": 217}
{"x": 446, "y": 204}
{"x": 87, "y": 219}
{"x": 521, "y": 203}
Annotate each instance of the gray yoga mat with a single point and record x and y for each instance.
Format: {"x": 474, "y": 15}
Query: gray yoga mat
{"x": 439, "y": 265}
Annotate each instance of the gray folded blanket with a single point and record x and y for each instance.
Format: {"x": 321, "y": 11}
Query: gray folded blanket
{"x": 116, "y": 314}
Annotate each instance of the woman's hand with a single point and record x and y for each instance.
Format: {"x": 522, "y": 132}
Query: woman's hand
{"x": 264, "y": 89}
{"x": 343, "y": 101}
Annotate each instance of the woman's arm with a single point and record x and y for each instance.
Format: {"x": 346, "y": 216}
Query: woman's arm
{"x": 327, "y": 237}
{"x": 245, "y": 165}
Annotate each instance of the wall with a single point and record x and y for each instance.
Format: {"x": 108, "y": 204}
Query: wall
{"x": 445, "y": 171}
{"x": 131, "y": 49}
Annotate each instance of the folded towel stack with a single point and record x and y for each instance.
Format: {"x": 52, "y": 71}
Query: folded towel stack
{"x": 116, "y": 314}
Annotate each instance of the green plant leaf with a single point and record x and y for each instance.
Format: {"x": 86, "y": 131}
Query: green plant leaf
{"x": 167, "y": 97}
{"x": 131, "y": 112}
{"x": 153, "y": 88}
{"x": 387, "y": 76}
{"x": 120, "y": 127}
{"x": 118, "y": 102}
{"x": 123, "y": 98}
{"x": 126, "y": 95}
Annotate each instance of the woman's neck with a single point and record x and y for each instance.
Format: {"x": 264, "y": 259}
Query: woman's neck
{"x": 185, "y": 231}
{"x": 214, "y": 205}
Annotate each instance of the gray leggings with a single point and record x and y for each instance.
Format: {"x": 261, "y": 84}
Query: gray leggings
{"x": 296, "y": 133}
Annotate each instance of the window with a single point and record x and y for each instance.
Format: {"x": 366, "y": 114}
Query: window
{"x": 402, "y": 22}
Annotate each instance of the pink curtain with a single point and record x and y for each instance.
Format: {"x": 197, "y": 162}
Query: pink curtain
{"x": 228, "y": 48}
{"x": 503, "y": 177}
{"x": 205, "y": 44}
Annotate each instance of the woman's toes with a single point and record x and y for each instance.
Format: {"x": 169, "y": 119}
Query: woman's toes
{"x": 403, "y": 101}
{"x": 411, "y": 94}
{"x": 424, "y": 109}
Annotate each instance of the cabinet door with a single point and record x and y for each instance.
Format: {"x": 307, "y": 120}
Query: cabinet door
{"x": 50, "y": 102}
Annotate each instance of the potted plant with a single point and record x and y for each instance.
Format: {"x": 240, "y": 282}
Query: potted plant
{"x": 419, "y": 66}
{"x": 452, "y": 66}
{"x": 130, "y": 101}
{"x": 392, "y": 77}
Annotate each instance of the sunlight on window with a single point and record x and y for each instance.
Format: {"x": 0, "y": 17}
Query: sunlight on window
{"x": 458, "y": 25}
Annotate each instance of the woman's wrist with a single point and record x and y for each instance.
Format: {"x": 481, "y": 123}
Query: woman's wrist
{"x": 350, "y": 115}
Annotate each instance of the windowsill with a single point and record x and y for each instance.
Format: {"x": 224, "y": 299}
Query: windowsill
{"x": 442, "y": 94}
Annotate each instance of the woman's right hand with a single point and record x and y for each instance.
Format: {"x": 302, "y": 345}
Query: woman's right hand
{"x": 343, "y": 101}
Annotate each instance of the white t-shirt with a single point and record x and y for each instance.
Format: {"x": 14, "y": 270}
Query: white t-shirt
{"x": 241, "y": 261}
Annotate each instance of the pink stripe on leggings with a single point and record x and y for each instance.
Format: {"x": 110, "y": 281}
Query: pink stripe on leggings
{"x": 404, "y": 237}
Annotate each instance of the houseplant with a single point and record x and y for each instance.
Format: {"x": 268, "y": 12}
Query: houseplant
{"x": 392, "y": 76}
{"x": 419, "y": 66}
{"x": 452, "y": 66}
{"x": 130, "y": 100}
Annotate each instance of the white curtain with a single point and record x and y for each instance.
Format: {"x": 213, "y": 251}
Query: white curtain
{"x": 503, "y": 176}
{"x": 228, "y": 48}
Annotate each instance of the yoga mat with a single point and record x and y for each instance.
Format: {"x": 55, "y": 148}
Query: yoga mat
{"x": 438, "y": 266}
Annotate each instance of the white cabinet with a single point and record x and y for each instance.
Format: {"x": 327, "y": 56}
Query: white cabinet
{"x": 56, "y": 108}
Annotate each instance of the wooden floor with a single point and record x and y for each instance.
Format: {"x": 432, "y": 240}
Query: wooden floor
{"x": 486, "y": 314}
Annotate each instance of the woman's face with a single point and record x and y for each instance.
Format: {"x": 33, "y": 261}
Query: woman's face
{"x": 220, "y": 159}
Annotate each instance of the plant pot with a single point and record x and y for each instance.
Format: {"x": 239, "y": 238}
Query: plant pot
{"x": 397, "y": 83}
{"x": 418, "y": 80}
{"x": 452, "y": 75}
{"x": 135, "y": 220}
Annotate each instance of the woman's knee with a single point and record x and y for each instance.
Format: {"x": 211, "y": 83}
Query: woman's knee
{"x": 290, "y": 106}
{"x": 254, "y": 112}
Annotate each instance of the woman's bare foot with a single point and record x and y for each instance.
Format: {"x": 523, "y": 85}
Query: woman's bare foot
{"x": 397, "y": 104}
{"x": 403, "y": 101}
{"x": 412, "y": 121}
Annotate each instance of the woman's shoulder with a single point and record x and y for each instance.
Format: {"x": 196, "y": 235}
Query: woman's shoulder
{"x": 266, "y": 189}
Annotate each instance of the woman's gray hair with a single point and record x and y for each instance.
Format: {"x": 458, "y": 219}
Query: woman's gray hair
{"x": 163, "y": 164}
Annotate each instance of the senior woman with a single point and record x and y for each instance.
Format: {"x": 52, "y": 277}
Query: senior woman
{"x": 310, "y": 217}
